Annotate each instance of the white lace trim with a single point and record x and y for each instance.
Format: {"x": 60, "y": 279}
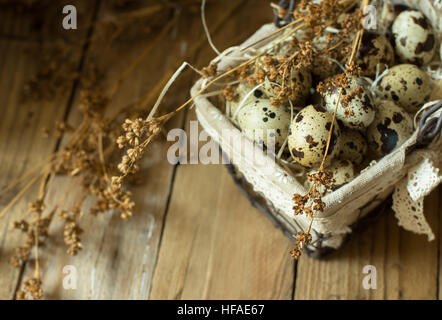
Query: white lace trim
{"x": 422, "y": 179}
{"x": 410, "y": 213}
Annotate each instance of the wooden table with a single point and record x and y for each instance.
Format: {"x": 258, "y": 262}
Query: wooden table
{"x": 194, "y": 235}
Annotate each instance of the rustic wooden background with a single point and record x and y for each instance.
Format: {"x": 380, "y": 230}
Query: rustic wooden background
{"x": 194, "y": 236}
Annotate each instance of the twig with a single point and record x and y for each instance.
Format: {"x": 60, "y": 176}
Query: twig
{"x": 19, "y": 195}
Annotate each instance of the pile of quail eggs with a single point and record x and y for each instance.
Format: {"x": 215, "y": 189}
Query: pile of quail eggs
{"x": 375, "y": 122}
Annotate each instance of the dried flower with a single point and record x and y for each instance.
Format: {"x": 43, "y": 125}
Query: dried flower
{"x": 31, "y": 290}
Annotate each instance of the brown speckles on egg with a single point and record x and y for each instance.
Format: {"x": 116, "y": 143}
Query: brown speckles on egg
{"x": 257, "y": 93}
{"x": 358, "y": 112}
{"x": 397, "y": 117}
{"x": 375, "y": 50}
{"x": 421, "y": 21}
{"x": 257, "y": 125}
{"x": 309, "y": 135}
{"x": 342, "y": 172}
{"x": 319, "y": 108}
{"x": 328, "y": 125}
{"x": 406, "y": 84}
{"x": 311, "y": 142}
{"x": 414, "y": 37}
{"x": 394, "y": 96}
{"x": 298, "y": 154}
{"x": 389, "y": 138}
{"x": 428, "y": 45}
{"x": 390, "y": 129}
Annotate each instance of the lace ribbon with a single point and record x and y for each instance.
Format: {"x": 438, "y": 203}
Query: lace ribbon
{"x": 409, "y": 194}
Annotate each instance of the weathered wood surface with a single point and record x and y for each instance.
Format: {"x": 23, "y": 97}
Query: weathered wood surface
{"x": 22, "y": 145}
{"x": 406, "y": 263}
{"x": 194, "y": 234}
{"x": 119, "y": 257}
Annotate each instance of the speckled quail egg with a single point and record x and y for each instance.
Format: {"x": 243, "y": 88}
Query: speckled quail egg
{"x": 353, "y": 146}
{"x": 323, "y": 68}
{"x": 391, "y": 127}
{"x": 241, "y": 91}
{"x": 302, "y": 80}
{"x": 258, "y": 120}
{"x": 308, "y": 136}
{"x": 407, "y": 85}
{"x": 375, "y": 50}
{"x": 342, "y": 172}
{"x": 356, "y": 113}
{"x": 414, "y": 37}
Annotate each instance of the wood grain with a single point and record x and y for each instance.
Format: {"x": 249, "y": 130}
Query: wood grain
{"x": 406, "y": 263}
{"x": 119, "y": 257}
{"x": 215, "y": 244}
{"x": 22, "y": 145}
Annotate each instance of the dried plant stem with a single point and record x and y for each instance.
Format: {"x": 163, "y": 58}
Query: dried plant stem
{"x": 356, "y": 45}
{"x": 204, "y": 88}
{"x": 355, "y": 49}
{"x": 101, "y": 155}
{"x": 26, "y": 175}
{"x": 273, "y": 33}
{"x": 19, "y": 194}
{"x": 330, "y": 133}
{"x": 37, "y": 263}
{"x": 206, "y": 29}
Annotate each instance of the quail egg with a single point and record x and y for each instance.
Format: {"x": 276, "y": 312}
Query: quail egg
{"x": 414, "y": 37}
{"x": 356, "y": 107}
{"x": 323, "y": 68}
{"x": 391, "y": 127}
{"x": 259, "y": 121}
{"x": 241, "y": 91}
{"x": 406, "y": 85}
{"x": 302, "y": 81}
{"x": 353, "y": 146}
{"x": 342, "y": 172}
{"x": 375, "y": 50}
{"x": 308, "y": 136}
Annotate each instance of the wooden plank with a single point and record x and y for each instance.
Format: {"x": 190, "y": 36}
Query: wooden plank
{"x": 22, "y": 145}
{"x": 215, "y": 244}
{"x": 406, "y": 263}
{"x": 118, "y": 257}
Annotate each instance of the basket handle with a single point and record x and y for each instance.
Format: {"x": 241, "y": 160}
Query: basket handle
{"x": 288, "y": 6}
{"x": 429, "y": 130}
